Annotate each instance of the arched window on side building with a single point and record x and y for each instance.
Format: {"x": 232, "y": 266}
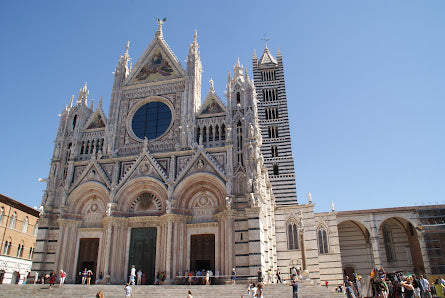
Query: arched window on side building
{"x": 322, "y": 239}
{"x": 292, "y": 234}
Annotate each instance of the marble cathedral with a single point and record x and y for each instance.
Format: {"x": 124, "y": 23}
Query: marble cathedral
{"x": 168, "y": 181}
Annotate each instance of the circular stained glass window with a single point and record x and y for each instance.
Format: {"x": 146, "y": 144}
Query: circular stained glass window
{"x": 151, "y": 120}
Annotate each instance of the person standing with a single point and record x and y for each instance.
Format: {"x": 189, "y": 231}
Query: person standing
{"x": 279, "y": 276}
{"x": 260, "y": 275}
{"x": 233, "y": 277}
{"x": 270, "y": 276}
{"x": 132, "y": 275}
{"x": 139, "y": 280}
{"x": 84, "y": 275}
{"x": 294, "y": 285}
{"x": 425, "y": 286}
{"x": 409, "y": 288}
{"x": 127, "y": 290}
{"x": 259, "y": 291}
{"x": 62, "y": 277}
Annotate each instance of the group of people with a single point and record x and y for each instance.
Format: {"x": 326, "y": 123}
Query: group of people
{"x": 394, "y": 285}
{"x": 49, "y": 278}
{"x": 138, "y": 278}
{"x": 199, "y": 277}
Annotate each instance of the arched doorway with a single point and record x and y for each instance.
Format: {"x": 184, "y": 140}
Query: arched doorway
{"x": 15, "y": 277}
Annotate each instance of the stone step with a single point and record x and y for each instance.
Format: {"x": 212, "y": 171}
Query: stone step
{"x": 170, "y": 291}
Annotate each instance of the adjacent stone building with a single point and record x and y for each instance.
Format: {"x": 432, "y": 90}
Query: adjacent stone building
{"x": 170, "y": 181}
{"x": 18, "y": 230}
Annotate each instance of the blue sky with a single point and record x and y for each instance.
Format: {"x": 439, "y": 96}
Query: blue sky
{"x": 365, "y": 84}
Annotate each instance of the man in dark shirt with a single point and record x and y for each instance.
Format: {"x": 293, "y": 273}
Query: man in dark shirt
{"x": 294, "y": 285}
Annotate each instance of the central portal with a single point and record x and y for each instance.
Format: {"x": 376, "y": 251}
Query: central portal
{"x": 143, "y": 252}
{"x": 202, "y": 252}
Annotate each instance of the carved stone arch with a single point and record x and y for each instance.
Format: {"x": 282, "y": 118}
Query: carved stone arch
{"x": 190, "y": 190}
{"x": 146, "y": 203}
{"x": 133, "y": 189}
{"x": 90, "y": 197}
{"x": 364, "y": 230}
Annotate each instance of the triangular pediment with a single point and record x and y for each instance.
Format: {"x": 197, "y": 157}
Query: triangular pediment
{"x": 212, "y": 105}
{"x": 96, "y": 120}
{"x": 201, "y": 162}
{"x": 93, "y": 172}
{"x": 157, "y": 63}
{"x": 144, "y": 166}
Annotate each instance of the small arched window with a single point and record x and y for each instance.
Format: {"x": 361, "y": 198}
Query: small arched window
{"x": 25, "y": 225}
{"x": 74, "y": 121}
{"x": 13, "y": 220}
{"x": 322, "y": 239}
{"x": 292, "y": 235}
{"x": 389, "y": 246}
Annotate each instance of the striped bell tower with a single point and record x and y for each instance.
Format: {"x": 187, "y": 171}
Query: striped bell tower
{"x": 273, "y": 118}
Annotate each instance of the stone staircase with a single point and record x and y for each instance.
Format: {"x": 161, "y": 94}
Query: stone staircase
{"x": 170, "y": 291}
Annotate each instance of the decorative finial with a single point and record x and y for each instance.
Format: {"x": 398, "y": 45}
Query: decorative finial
{"x": 212, "y": 88}
{"x": 126, "y": 49}
{"x": 309, "y": 197}
{"x": 100, "y": 102}
{"x": 92, "y": 104}
{"x": 195, "y": 36}
{"x": 332, "y": 207}
{"x": 237, "y": 62}
{"x": 71, "y": 101}
{"x": 160, "y": 22}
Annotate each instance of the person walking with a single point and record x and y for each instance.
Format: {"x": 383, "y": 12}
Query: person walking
{"x": 279, "y": 276}
{"x": 132, "y": 275}
{"x": 270, "y": 276}
{"x": 52, "y": 279}
{"x": 62, "y": 277}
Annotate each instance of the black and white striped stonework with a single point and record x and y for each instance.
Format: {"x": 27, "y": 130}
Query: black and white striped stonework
{"x": 274, "y": 122}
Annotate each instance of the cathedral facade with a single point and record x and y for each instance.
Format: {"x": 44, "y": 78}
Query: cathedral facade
{"x": 172, "y": 182}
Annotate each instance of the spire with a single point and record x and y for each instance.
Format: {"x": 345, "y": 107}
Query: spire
{"x": 267, "y": 57}
{"x": 83, "y": 94}
{"x": 100, "y": 103}
{"x": 195, "y": 37}
{"x": 193, "y": 49}
{"x": 237, "y": 70}
{"x": 254, "y": 54}
{"x": 309, "y": 197}
{"x": 92, "y": 104}
{"x": 71, "y": 101}
{"x": 160, "y": 22}
{"x": 332, "y": 206}
{"x": 278, "y": 53}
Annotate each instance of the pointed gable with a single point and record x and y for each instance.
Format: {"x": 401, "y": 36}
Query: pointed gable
{"x": 267, "y": 58}
{"x": 212, "y": 105}
{"x": 96, "y": 121}
{"x": 157, "y": 63}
